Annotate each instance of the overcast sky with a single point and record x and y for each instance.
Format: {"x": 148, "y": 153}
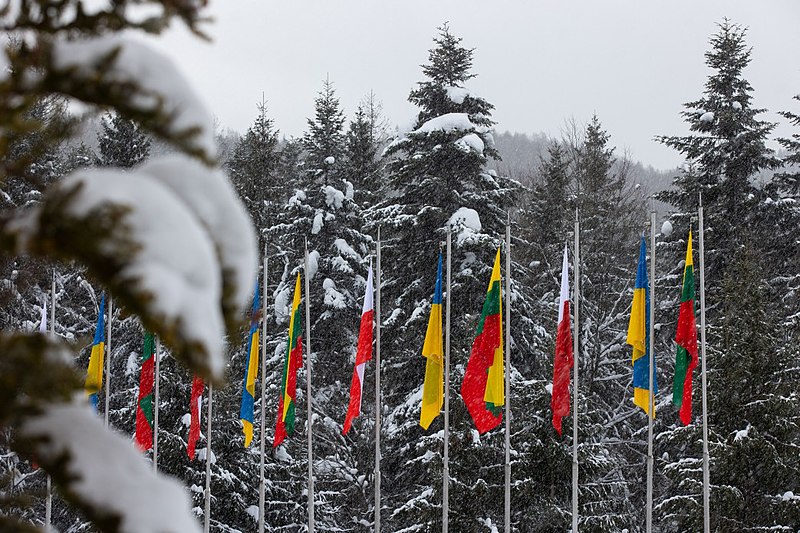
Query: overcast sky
{"x": 539, "y": 62}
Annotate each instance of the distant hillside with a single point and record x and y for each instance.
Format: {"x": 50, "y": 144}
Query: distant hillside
{"x": 521, "y": 156}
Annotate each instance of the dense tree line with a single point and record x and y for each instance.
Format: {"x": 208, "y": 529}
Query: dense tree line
{"x": 332, "y": 189}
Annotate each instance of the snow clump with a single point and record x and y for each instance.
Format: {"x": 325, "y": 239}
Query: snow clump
{"x": 708, "y": 116}
{"x": 457, "y": 94}
{"x": 157, "y": 76}
{"x": 465, "y": 223}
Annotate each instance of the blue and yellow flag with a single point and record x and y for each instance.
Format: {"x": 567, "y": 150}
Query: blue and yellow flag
{"x": 432, "y": 396}
{"x": 251, "y": 372}
{"x": 639, "y": 336}
{"x": 94, "y": 374}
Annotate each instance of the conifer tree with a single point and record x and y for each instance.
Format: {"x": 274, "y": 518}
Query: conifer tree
{"x": 361, "y": 155}
{"x": 253, "y": 166}
{"x": 437, "y": 178}
{"x": 321, "y": 209}
{"x": 122, "y": 142}
{"x": 746, "y": 262}
{"x": 726, "y": 148}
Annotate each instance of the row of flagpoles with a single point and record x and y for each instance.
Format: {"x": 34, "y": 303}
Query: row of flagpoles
{"x": 486, "y": 387}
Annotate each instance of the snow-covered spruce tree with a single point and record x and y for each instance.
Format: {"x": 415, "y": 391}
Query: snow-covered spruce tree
{"x": 104, "y": 219}
{"x": 322, "y": 210}
{"x": 252, "y": 168}
{"x": 725, "y": 150}
{"x": 723, "y": 155}
{"x": 437, "y": 176}
{"x": 784, "y": 191}
{"x": 362, "y": 165}
{"x": 612, "y": 450}
{"x": 791, "y": 178}
{"x": 122, "y": 142}
{"x": 754, "y": 405}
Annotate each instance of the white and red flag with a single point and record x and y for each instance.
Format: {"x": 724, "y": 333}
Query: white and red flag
{"x": 363, "y": 354}
{"x": 563, "y": 359}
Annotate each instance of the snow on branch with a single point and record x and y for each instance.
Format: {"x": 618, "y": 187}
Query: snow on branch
{"x": 114, "y": 482}
{"x": 95, "y": 468}
{"x": 210, "y": 196}
{"x": 141, "y": 83}
{"x": 152, "y": 236}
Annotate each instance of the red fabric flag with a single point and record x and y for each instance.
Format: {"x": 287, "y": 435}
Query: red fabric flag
{"x": 196, "y": 404}
{"x": 144, "y": 405}
{"x": 562, "y": 365}
{"x": 284, "y": 426}
{"x": 483, "y": 385}
{"x": 363, "y": 354}
{"x": 686, "y": 337}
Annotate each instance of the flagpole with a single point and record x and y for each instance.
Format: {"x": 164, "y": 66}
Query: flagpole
{"x": 575, "y": 351}
{"x": 508, "y": 378}
{"x": 378, "y": 386}
{"x": 155, "y": 407}
{"x": 308, "y": 402}
{"x": 650, "y": 373}
{"x": 261, "y": 481}
{"x": 706, "y": 473}
{"x": 48, "y": 502}
{"x": 446, "y": 456}
{"x": 207, "y": 524}
{"x": 108, "y": 358}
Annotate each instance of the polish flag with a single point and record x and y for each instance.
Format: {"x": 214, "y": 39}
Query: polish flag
{"x": 363, "y": 354}
{"x": 564, "y": 357}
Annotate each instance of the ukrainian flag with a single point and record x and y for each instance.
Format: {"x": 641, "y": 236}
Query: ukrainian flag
{"x": 94, "y": 374}
{"x": 639, "y": 335}
{"x": 432, "y": 397}
{"x": 251, "y": 372}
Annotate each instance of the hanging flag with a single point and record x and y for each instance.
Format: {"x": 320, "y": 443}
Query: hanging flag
{"x": 250, "y": 372}
{"x": 639, "y": 335}
{"x": 43, "y": 321}
{"x": 563, "y": 362}
{"x": 195, "y": 408}
{"x": 483, "y": 387}
{"x": 363, "y": 354}
{"x": 432, "y": 394}
{"x": 94, "y": 373}
{"x": 293, "y": 361}
{"x": 144, "y": 406}
{"x": 686, "y": 337}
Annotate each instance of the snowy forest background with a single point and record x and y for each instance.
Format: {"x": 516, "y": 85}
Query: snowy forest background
{"x": 350, "y": 174}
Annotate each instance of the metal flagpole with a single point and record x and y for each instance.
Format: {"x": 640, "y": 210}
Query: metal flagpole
{"x": 48, "y": 502}
{"x": 108, "y": 358}
{"x": 575, "y": 357}
{"x": 446, "y": 456}
{"x": 651, "y": 414}
{"x": 378, "y": 385}
{"x": 156, "y": 402}
{"x": 706, "y": 474}
{"x": 308, "y": 402}
{"x": 207, "y": 524}
{"x": 508, "y": 378}
{"x": 261, "y": 481}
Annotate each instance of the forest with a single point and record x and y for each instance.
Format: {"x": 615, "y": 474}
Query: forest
{"x": 332, "y": 190}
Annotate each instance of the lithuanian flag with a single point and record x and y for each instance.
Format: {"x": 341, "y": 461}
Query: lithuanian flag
{"x": 483, "y": 387}
{"x": 94, "y": 373}
{"x": 250, "y": 372}
{"x": 144, "y": 405}
{"x": 686, "y": 337}
{"x": 293, "y": 361}
{"x": 639, "y": 335}
{"x": 432, "y": 395}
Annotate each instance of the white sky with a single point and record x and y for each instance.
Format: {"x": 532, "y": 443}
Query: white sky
{"x": 540, "y": 62}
